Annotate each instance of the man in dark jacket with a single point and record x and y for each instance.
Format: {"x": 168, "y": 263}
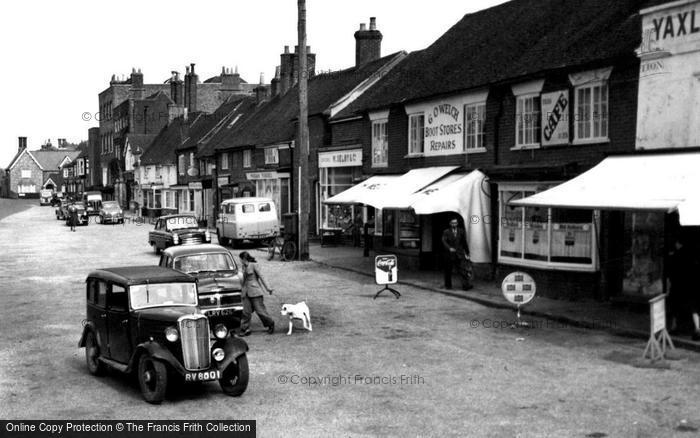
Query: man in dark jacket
{"x": 73, "y": 216}
{"x": 454, "y": 240}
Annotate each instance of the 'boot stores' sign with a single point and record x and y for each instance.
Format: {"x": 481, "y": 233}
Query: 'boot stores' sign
{"x": 444, "y": 129}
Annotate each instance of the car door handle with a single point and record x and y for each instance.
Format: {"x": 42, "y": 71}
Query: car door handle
{"x": 124, "y": 322}
{"x": 103, "y": 315}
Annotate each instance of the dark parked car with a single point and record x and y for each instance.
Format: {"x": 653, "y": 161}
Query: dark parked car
{"x": 145, "y": 319}
{"x": 83, "y": 218}
{"x": 219, "y": 279}
{"x": 111, "y": 212}
{"x": 177, "y": 229}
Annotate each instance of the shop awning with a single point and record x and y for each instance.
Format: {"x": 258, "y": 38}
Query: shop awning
{"x": 391, "y": 193}
{"x": 642, "y": 182}
{"x": 362, "y": 191}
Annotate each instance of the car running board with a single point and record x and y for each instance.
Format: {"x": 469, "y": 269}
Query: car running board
{"x": 114, "y": 364}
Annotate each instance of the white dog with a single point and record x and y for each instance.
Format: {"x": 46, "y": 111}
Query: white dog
{"x": 297, "y": 311}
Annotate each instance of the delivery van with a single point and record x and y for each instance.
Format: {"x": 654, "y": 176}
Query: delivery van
{"x": 93, "y": 202}
{"x": 253, "y": 219}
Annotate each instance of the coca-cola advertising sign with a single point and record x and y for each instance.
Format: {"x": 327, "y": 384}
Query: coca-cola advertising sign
{"x": 385, "y": 269}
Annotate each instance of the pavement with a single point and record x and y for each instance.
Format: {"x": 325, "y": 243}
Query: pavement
{"x": 615, "y": 319}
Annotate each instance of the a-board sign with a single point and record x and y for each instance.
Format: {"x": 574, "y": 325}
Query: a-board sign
{"x": 518, "y": 288}
{"x": 657, "y": 309}
{"x": 386, "y": 269}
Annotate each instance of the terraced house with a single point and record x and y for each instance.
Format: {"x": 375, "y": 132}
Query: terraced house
{"x": 498, "y": 108}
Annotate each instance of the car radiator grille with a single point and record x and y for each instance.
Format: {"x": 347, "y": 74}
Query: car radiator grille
{"x": 194, "y": 335}
{"x": 192, "y": 240}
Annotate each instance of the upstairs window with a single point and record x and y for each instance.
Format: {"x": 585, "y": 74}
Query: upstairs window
{"x": 416, "y": 134}
{"x": 181, "y": 164}
{"x": 224, "y": 161}
{"x": 247, "y": 158}
{"x": 591, "y": 105}
{"x": 474, "y": 116}
{"x": 528, "y": 114}
{"x": 380, "y": 144}
{"x": 272, "y": 156}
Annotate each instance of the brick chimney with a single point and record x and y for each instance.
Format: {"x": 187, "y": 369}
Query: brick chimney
{"x": 261, "y": 90}
{"x": 275, "y": 83}
{"x": 22, "y": 144}
{"x": 368, "y": 43}
{"x": 289, "y": 67}
{"x": 191, "y": 80}
{"x": 176, "y": 88}
{"x": 137, "y": 89}
{"x": 230, "y": 80}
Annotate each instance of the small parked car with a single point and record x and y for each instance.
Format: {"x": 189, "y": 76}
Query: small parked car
{"x": 83, "y": 218}
{"x": 177, "y": 229}
{"x": 62, "y": 210}
{"x": 145, "y": 319}
{"x": 253, "y": 219}
{"x": 219, "y": 280}
{"x": 111, "y": 212}
{"x": 45, "y": 196}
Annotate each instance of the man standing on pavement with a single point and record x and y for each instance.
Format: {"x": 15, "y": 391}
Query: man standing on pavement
{"x": 454, "y": 239}
{"x": 73, "y": 216}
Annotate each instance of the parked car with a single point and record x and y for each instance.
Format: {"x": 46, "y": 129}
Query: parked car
{"x": 45, "y": 196}
{"x": 83, "y": 218}
{"x": 145, "y": 319}
{"x": 93, "y": 202}
{"x": 219, "y": 280}
{"x": 62, "y": 210}
{"x": 253, "y": 219}
{"x": 177, "y": 229}
{"x": 55, "y": 200}
{"x": 111, "y": 212}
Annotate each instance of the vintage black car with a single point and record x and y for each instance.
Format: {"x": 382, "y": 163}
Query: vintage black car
{"x": 83, "y": 218}
{"x": 177, "y": 229}
{"x": 219, "y": 279}
{"x": 111, "y": 213}
{"x": 145, "y": 319}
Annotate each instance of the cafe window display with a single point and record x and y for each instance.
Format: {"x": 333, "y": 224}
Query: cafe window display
{"x": 545, "y": 237}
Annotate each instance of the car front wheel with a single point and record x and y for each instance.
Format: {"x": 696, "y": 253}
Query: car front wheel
{"x": 234, "y": 380}
{"x": 92, "y": 355}
{"x": 153, "y": 379}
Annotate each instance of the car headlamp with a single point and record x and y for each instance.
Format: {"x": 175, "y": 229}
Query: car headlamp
{"x": 171, "y": 334}
{"x": 218, "y": 354}
{"x": 176, "y": 239}
{"x": 220, "y": 331}
{"x": 207, "y": 236}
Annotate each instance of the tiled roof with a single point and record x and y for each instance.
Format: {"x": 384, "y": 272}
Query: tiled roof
{"x": 272, "y": 122}
{"x": 244, "y": 109}
{"x": 50, "y": 160}
{"x": 510, "y": 41}
{"x": 162, "y": 149}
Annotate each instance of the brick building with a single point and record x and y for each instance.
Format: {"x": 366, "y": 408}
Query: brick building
{"x": 528, "y": 105}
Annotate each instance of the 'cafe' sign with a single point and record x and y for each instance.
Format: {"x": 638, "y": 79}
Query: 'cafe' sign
{"x": 555, "y": 117}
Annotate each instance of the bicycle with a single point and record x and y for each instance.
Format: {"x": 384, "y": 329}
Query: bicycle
{"x": 287, "y": 249}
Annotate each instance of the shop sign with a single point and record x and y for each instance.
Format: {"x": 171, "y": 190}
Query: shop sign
{"x": 444, "y": 129}
{"x": 222, "y": 180}
{"x": 555, "y": 118}
{"x": 518, "y": 288}
{"x": 346, "y": 158}
{"x": 195, "y": 185}
{"x": 674, "y": 29}
{"x": 256, "y": 176}
{"x": 385, "y": 269}
{"x": 659, "y": 341}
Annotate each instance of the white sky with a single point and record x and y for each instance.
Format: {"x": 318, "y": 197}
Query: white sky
{"x": 56, "y": 56}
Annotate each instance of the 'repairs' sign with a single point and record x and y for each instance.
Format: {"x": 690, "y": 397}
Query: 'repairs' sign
{"x": 444, "y": 129}
{"x": 555, "y": 118}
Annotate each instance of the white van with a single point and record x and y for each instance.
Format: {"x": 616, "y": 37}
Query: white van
{"x": 252, "y": 219}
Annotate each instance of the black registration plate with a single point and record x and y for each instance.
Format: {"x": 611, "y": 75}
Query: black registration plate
{"x": 203, "y": 376}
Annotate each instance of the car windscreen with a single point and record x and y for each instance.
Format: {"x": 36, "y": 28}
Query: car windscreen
{"x": 110, "y": 205}
{"x": 181, "y": 222}
{"x": 162, "y": 294}
{"x": 196, "y": 263}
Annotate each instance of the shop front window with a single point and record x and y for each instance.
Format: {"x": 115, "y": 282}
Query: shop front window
{"x": 644, "y": 253}
{"x": 272, "y": 189}
{"x": 409, "y": 230}
{"x": 335, "y": 180}
{"x": 545, "y": 237}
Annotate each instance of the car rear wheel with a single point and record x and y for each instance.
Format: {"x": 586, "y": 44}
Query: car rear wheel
{"x": 234, "y": 380}
{"x": 153, "y": 379}
{"x": 92, "y": 355}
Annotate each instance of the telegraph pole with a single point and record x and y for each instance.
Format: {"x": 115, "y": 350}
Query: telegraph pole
{"x": 304, "y": 201}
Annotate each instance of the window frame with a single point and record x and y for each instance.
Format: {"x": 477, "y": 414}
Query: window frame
{"x": 481, "y": 134}
{"x": 247, "y": 158}
{"x": 536, "y": 116}
{"x": 420, "y": 139}
{"x": 522, "y": 261}
{"x": 224, "y": 161}
{"x": 272, "y": 155}
{"x": 382, "y": 124}
{"x": 605, "y": 118}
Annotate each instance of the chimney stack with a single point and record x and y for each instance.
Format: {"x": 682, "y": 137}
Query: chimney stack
{"x": 230, "y": 82}
{"x": 137, "y": 89}
{"x": 275, "y": 83}
{"x": 368, "y": 43}
{"x": 22, "y": 144}
{"x": 191, "y": 80}
{"x": 261, "y": 90}
{"x": 176, "y": 88}
{"x": 289, "y": 68}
